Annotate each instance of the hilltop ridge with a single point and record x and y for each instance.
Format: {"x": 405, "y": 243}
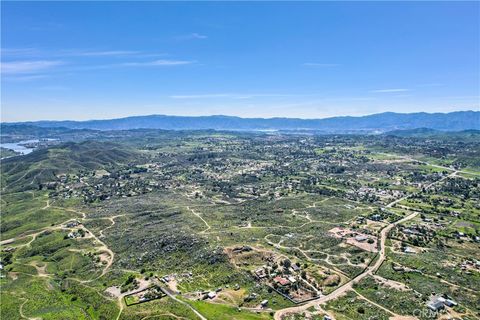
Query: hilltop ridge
{"x": 381, "y": 122}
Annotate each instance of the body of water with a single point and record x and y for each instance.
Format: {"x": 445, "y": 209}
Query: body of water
{"x": 19, "y": 146}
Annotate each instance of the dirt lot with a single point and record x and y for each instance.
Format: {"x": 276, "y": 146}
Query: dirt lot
{"x": 250, "y": 256}
{"x": 392, "y": 284}
{"x": 350, "y": 237}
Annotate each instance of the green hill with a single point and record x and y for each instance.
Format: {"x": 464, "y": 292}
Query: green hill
{"x": 431, "y": 133}
{"x": 29, "y": 171}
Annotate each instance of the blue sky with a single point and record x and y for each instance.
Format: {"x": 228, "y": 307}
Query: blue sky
{"x": 72, "y": 60}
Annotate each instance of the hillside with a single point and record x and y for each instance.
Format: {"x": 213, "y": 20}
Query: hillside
{"x": 20, "y": 132}
{"x": 29, "y": 171}
{"x": 431, "y": 133}
{"x": 454, "y": 121}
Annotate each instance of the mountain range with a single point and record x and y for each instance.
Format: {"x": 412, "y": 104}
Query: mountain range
{"x": 381, "y": 122}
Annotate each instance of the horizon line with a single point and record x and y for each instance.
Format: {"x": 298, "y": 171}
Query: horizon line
{"x": 233, "y": 116}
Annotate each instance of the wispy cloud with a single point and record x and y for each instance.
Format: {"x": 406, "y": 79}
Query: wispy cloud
{"x": 26, "y": 67}
{"x": 24, "y": 78}
{"x": 157, "y": 63}
{"x": 389, "y": 90}
{"x": 198, "y": 36}
{"x": 192, "y": 36}
{"x": 320, "y": 65}
{"x": 27, "y": 70}
{"x": 16, "y": 52}
{"x": 85, "y": 52}
{"x": 202, "y": 96}
{"x": 236, "y": 95}
{"x": 102, "y": 53}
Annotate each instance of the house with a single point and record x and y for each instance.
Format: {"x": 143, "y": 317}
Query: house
{"x": 211, "y": 294}
{"x": 264, "y": 303}
{"x": 73, "y": 235}
{"x": 409, "y": 250}
{"x": 295, "y": 267}
{"x": 292, "y": 279}
{"x": 439, "y": 303}
{"x": 408, "y": 230}
{"x": 435, "y": 305}
{"x": 281, "y": 281}
{"x": 260, "y": 273}
{"x": 398, "y": 268}
{"x": 72, "y": 224}
{"x": 450, "y": 303}
{"x": 361, "y": 238}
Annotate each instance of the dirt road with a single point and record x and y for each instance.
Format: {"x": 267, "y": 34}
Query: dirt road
{"x": 349, "y": 285}
{"x": 369, "y": 271}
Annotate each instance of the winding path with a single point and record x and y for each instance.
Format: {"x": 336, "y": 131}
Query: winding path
{"x": 200, "y": 217}
{"x": 170, "y": 295}
{"x": 368, "y": 271}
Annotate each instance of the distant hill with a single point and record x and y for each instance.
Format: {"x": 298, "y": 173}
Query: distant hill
{"x": 431, "y": 133}
{"x": 43, "y": 165}
{"x": 382, "y": 122}
{"x": 20, "y": 131}
{"x": 419, "y": 132}
{"x": 26, "y": 129}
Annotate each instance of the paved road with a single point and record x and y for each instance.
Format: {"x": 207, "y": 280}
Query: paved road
{"x": 368, "y": 271}
{"x": 348, "y": 286}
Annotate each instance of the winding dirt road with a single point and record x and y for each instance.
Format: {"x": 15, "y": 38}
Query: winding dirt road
{"x": 348, "y": 285}
{"x": 369, "y": 271}
{"x": 169, "y": 294}
{"x": 201, "y": 218}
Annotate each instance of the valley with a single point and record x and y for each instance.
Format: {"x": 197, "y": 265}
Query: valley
{"x": 154, "y": 224}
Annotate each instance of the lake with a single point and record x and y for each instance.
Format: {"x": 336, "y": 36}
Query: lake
{"x": 19, "y": 146}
